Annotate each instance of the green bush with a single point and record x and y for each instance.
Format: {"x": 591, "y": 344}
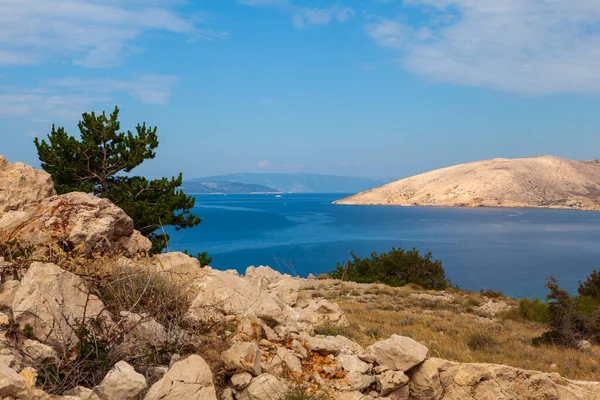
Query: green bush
{"x": 591, "y": 286}
{"x": 571, "y": 319}
{"x": 395, "y": 268}
{"x": 533, "y": 310}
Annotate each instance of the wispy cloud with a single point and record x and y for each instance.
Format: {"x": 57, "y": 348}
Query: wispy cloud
{"x": 526, "y": 46}
{"x": 263, "y": 164}
{"x": 91, "y": 33}
{"x": 303, "y": 17}
{"x": 67, "y": 98}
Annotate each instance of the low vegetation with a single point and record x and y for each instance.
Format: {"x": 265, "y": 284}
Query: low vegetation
{"x": 395, "y": 268}
{"x": 450, "y": 324}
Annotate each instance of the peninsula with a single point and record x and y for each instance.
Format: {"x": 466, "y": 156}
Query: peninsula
{"x": 541, "y": 182}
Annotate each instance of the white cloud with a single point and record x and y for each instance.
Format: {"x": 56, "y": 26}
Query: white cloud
{"x": 526, "y": 46}
{"x": 67, "y": 98}
{"x": 263, "y": 164}
{"x": 92, "y": 33}
{"x": 303, "y": 17}
{"x": 150, "y": 89}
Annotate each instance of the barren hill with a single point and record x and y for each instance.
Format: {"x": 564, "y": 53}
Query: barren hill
{"x": 547, "y": 181}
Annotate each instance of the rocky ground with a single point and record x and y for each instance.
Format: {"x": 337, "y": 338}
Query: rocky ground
{"x": 87, "y": 315}
{"x": 544, "y": 182}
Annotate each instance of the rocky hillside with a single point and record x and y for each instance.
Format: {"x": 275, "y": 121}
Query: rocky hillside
{"x": 548, "y": 182}
{"x": 86, "y": 314}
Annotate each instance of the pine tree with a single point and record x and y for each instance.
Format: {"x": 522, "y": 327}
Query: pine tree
{"x": 99, "y": 163}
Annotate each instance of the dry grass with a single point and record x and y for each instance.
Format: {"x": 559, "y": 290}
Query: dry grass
{"x": 454, "y": 331}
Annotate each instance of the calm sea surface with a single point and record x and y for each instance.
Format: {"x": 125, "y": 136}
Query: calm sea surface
{"x": 510, "y": 250}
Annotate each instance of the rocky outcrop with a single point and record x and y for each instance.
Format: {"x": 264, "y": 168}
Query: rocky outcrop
{"x": 122, "y": 383}
{"x": 190, "y": 378}
{"x": 31, "y": 212}
{"x": 438, "y": 379}
{"x": 53, "y": 302}
{"x": 546, "y": 182}
{"x": 74, "y": 221}
{"x": 22, "y": 186}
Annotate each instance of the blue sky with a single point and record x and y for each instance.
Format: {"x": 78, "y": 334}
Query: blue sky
{"x": 368, "y": 87}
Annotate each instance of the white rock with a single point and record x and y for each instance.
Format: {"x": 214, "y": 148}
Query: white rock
{"x": 492, "y": 308}
{"x": 284, "y": 361}
{"x": 298, "y": 348}
{"x": 264, "y": 387}
{"x": 7, "y": 293}
{"x": 178, "y": 263}
{"x": 351, "y": 363}
{"x": 321, "y": 312}
{"x": 78, "y": 220}
{"x": 358, "y": 381}
{"x": 143, "y": 329}
{"x": 12, "y": 384}
{"x": 390, "y": 381}
{"x": 22, "y": 187}
{"x": 82, "y": 393}
{"x": 242, "y": 356}
{"x": 262, "y": 276}
{"x": 400, "y": 353}
{"x": 286, "y": 290}
{"x": 189, "y": 379}
{"x": 52, "y": 301}
{"x": 241, "y": 380}
{"x": 332, "y": 345}
{"x": 122, "y": 383}
{"x": 37, "y": 351}
{"x": 233, "y": 295}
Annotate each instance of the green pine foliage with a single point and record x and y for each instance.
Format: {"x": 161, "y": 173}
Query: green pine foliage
{"x": 100, "y": 161}
{"x": 571, "y": 319}
{"x": 395, "y": 268}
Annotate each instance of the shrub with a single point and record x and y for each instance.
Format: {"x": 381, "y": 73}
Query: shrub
{"x": 591, "y": 286}
{"x": 395, "y": 268}
{"x": 570, "y": 319}
{"x": 533, "y": 310}
{"x": 481, "y": 341}
{"x": 491, "y": 293}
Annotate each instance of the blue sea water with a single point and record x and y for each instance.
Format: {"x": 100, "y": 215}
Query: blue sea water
{"x": 510, "y": 250}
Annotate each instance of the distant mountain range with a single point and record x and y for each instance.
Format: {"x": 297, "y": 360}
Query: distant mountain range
{"x": 287, "y": 183}
{"x": 224, "y": 187}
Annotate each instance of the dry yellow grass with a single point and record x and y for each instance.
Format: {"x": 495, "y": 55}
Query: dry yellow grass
{"x": 453, "y": 330}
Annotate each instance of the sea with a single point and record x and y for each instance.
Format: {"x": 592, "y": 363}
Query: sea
{"x": 513, "y": 251}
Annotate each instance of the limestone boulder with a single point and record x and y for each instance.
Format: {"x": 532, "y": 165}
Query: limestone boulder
{"x": 12, "y": 384}
{"x": 264, "y": 387}
{"x": 322, "y": 312}
{"x": 262, "y": 276}
{"x": 7, "y": 292}
{"x": 122, "y": 383}
{"x": 38, "y": 352}
{"x": 141, "y": 328}
{"x": 241, "y": 380}
{"x": 228, "y": 294}
{"x": 22, "y": 186}
{"x": 53, "y": 301}
{"x": 76, "y": 221}
{"x": 284, "y": 361}
{"x": 437, "y": 379}
{"x": 390, "y": 381}
{"x": 189, "y": 379}
{"x": 286, "y": 290}
{"x": 242, "y": 356}
{"x": 332, "y": 345}
{"x": 492, "y": 308}
{"x": 358, "y": 381}
{"x": 399, "y": 353}
{"x": 351, "y": 363}
{"x": 177, "y": 263}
